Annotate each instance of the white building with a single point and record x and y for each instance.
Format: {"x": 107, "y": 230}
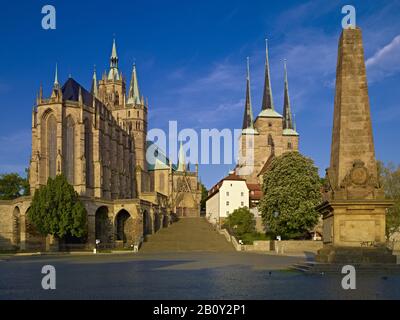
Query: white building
{"x": 227, "y": 195}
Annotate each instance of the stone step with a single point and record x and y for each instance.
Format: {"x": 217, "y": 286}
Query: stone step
{"x": 185, "y": 235}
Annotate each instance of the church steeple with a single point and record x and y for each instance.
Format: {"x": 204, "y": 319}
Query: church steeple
{"x": 113, "y": 74}
{"x": 267, "y": 102}
{"x": 94, "y": 89}
{"x": 56, "y": 92}
{"x": 114, "y": 56}
{"x": 134, "y": 95}
{"x": 248, "y": 112}
{"x": 287, "y": 113}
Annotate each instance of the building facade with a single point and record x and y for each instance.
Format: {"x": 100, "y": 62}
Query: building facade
{"x": 98, "y": 141}
{"x": 227, "y": 195}
{"x": 269, "y": 135}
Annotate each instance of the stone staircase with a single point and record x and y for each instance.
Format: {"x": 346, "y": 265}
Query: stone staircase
{"x": 336, "y": 269}
{"x": 186, "y": 235}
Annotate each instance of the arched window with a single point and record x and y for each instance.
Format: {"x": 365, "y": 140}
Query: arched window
{"x": 88, "y": 154}
{"x": 116, "y": 98}
{"x": 138, "y": 114}
{"x": 69, "y": 150}
{"x": 52, "y": 145}
{"x": 289, "y": 145}
{"x": 270, "y": 141}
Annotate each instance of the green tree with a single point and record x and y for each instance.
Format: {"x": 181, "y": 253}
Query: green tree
{"x": 241, "y": 221}
{"x": 204, "y": 195}
{"x": 12, "y": 186}
{"x": 57, "y": 210}
{"x": 389, "y": 177}
{"x": 292, "y": 190}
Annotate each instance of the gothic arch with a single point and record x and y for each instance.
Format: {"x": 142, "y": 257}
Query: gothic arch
{"x": 156, "y": 221}
{"x": 271, "y": 141}
{"x": 88, "y": 153}
{"x": 124, "y": 227}
{"x": 146, "y": 223}
{"x": 16, "y": 232}
{"x": 69, "y": 155}
{"x": 48, "y": 139}
{"x": 102, "y": 226}
{"x": 51, "y": 145}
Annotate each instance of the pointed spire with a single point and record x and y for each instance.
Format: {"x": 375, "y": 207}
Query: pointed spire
{"x": 56, "y": 84}
{"x": 267, "y": 102}
{"x": 287, "y": 113}
{"x": 248, "y": 112}
{"x": 181, "y": 158}
{"x": 134, "y": 94}
{"x": 94, "y": 89}
{"x": 114, "y": 56}
{"x": 113, "y": 74}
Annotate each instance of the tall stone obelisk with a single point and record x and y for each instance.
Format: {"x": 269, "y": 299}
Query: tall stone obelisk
{"x": 354, "y": 209}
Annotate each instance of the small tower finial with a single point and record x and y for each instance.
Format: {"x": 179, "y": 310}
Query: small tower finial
{"x": 56, "y": 84}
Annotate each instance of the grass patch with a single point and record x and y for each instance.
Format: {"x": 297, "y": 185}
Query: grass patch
{"x": 248, "y": 238}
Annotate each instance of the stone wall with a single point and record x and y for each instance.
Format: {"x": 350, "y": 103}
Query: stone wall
{"x": 6, "y": 226}
{"x": 296, "y": 246}
{"x": 262, "y": 245}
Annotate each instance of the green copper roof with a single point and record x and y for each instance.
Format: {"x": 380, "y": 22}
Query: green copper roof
{"x": 113, "y": 74}
{"x": 134, "y": 95}
{"x": 269, "y": 113}
{"x": 290, "y": 132}
{"x": 250, "y": 131}
{"x": 159, "y": 161}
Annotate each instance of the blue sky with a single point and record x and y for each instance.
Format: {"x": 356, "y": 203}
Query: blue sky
{"x": 191, "y": 60}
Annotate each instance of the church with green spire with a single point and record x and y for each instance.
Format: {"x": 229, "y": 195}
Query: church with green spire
{"x": 269, "y": 134}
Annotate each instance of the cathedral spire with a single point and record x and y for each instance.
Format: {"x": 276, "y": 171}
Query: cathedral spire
{"x": 267, "y": 102}
{"x": 248, "y": 112}
{"x": 287, "y": 113}
{"x": 94, "y": 90}
{"x": 113, "y": 74}
{"x": 134, "y": 94}
{"x": 114, "y": 56}
{"x": 181, "y": 158}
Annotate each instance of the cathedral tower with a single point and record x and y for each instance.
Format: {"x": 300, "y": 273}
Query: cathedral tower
{"x": 112, "y": 85}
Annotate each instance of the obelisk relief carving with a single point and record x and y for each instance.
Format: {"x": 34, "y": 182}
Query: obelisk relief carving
{"x": 354, "y": 210}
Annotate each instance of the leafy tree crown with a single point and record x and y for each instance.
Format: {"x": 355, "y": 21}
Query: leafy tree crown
{"x": 291, "y": 191}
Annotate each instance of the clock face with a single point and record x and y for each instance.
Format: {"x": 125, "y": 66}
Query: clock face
{"x": 359, "y": 176}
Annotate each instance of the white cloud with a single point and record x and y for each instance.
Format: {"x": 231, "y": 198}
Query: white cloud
{"x": 385, "y": 62}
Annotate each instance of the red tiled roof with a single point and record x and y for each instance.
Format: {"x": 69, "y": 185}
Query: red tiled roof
{"x": 215, "y": 188}
{"x": 255, "y": 192}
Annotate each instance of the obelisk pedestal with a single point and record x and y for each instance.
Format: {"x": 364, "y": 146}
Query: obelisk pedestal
{"x": 354, "y": 211}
